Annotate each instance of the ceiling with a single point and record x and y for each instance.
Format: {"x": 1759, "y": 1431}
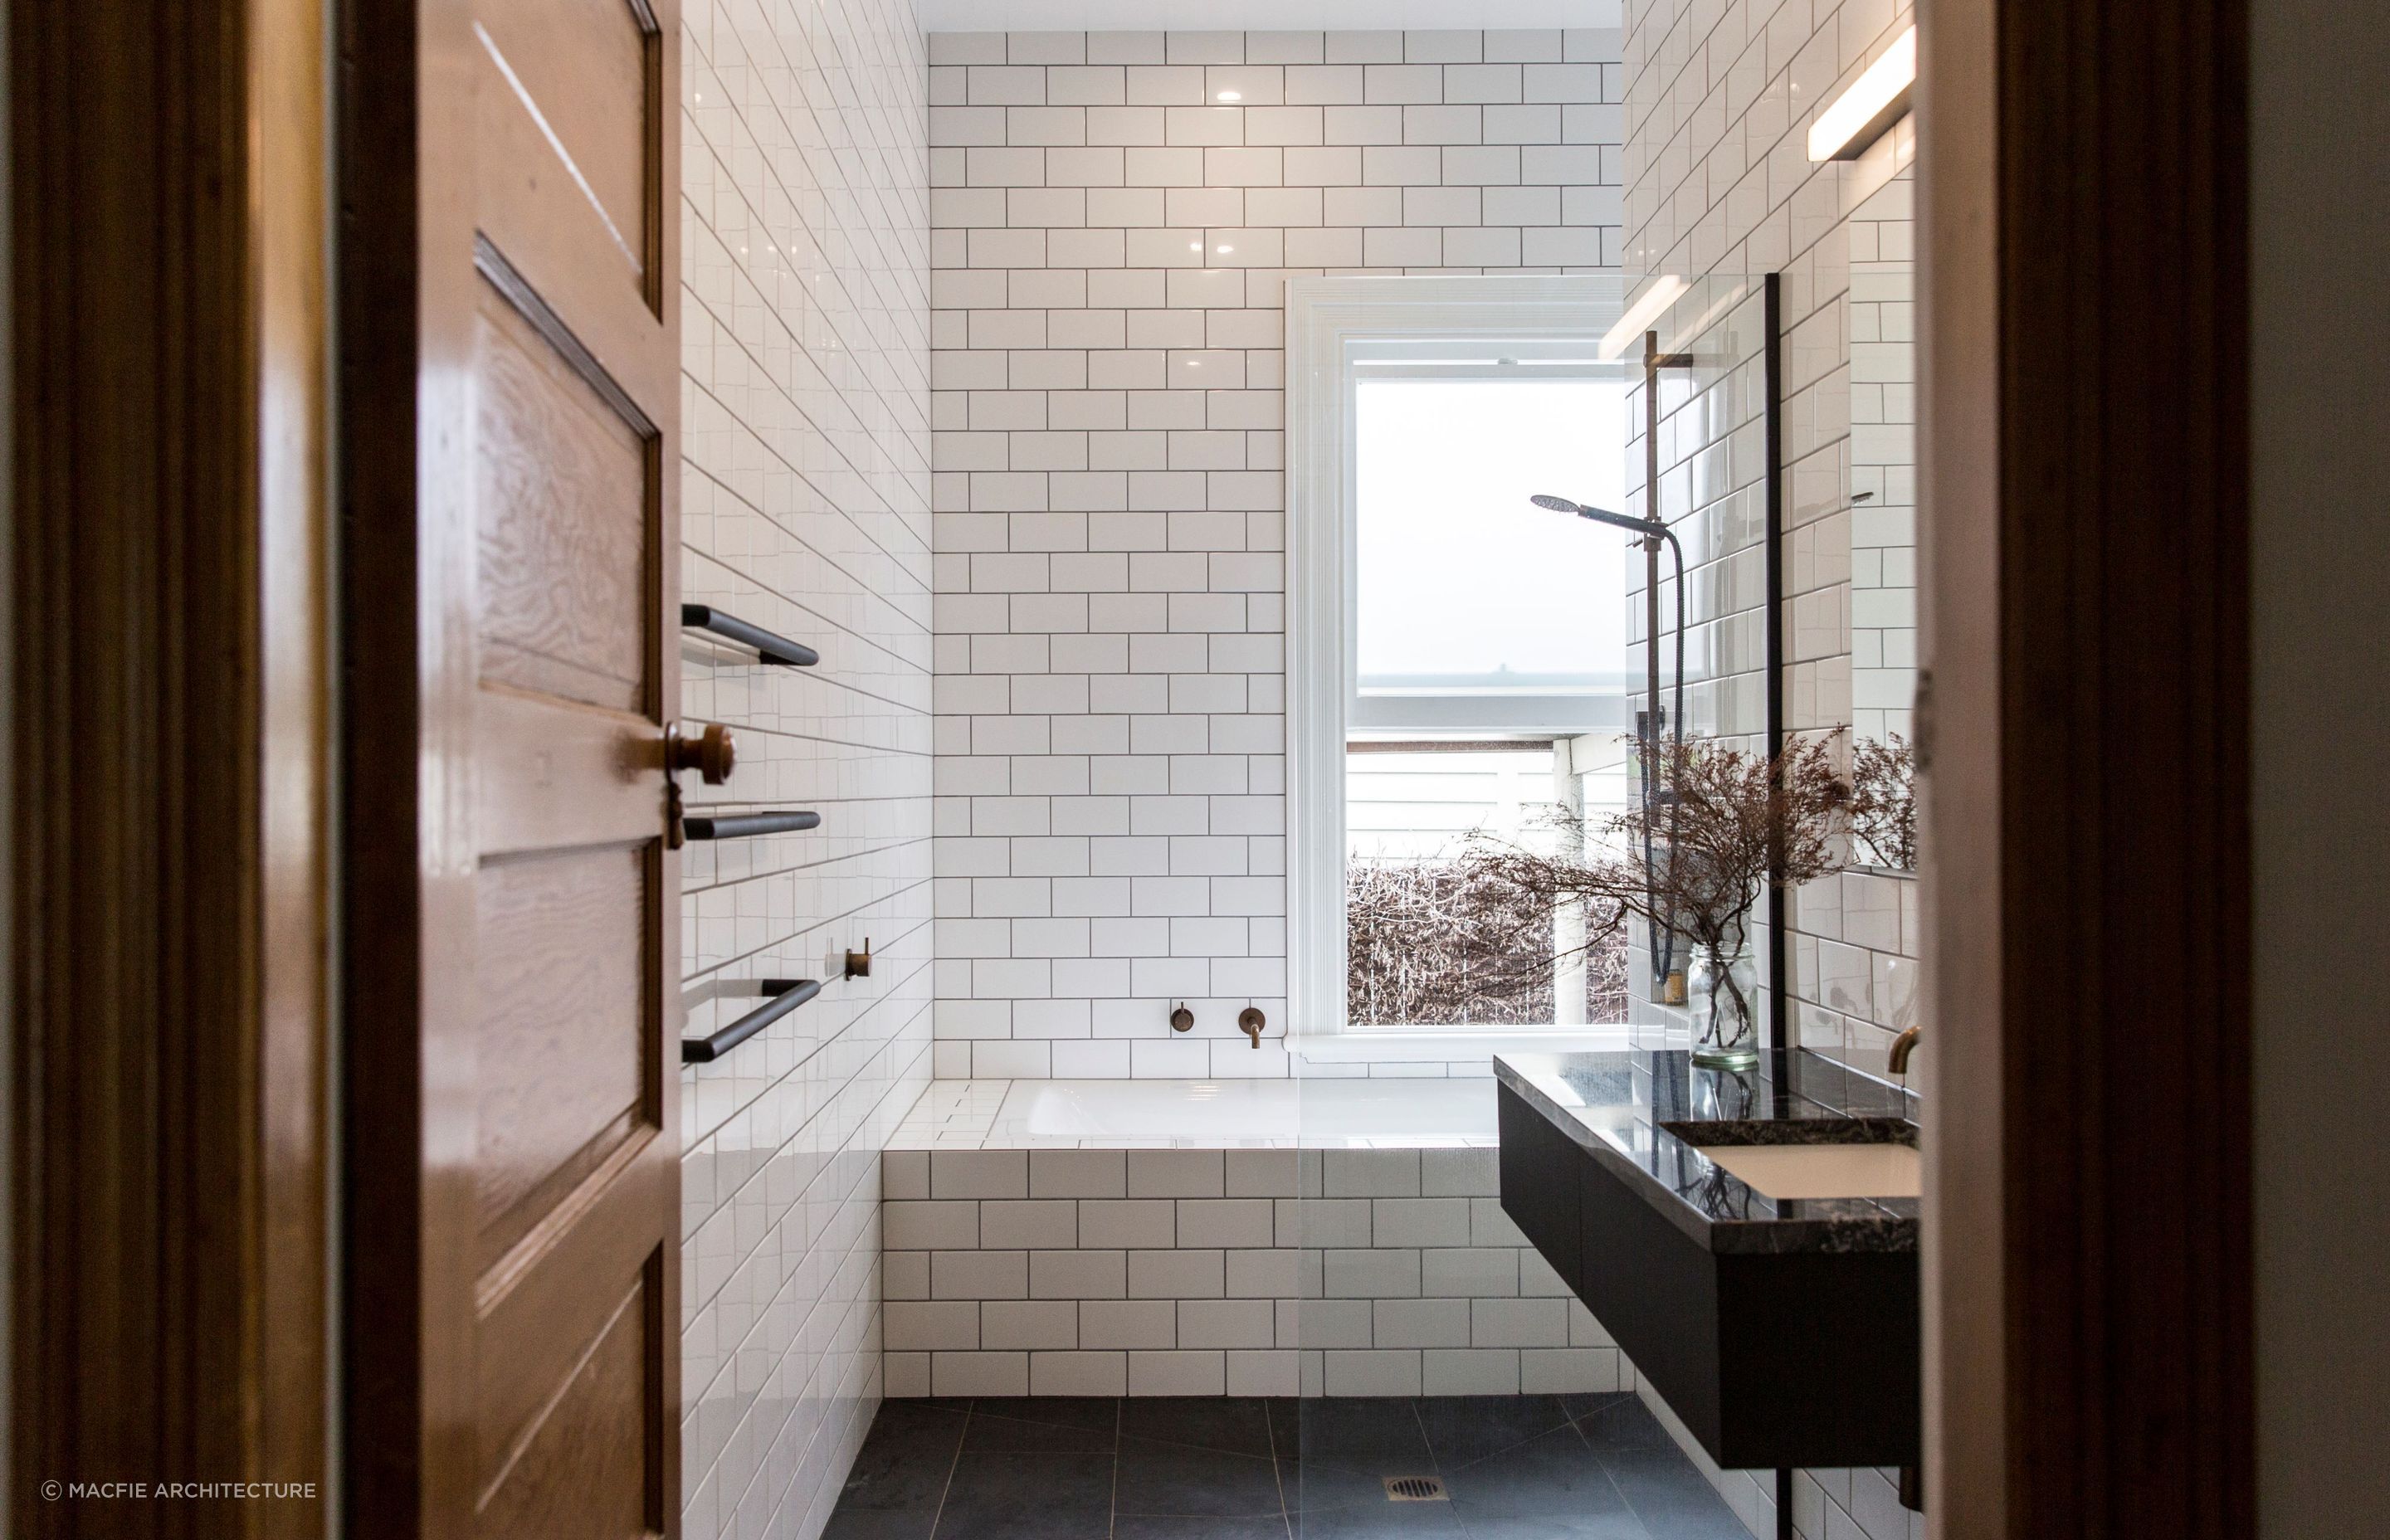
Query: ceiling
{"x": 1000, "y": 16}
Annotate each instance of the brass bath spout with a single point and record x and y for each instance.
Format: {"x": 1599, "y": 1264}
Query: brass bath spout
{"x": 1902, "y": 1046}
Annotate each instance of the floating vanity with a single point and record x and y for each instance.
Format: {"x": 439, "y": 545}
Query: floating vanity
{"x": 1752, "y": 1248}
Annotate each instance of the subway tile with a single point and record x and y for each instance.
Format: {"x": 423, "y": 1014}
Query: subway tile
{"x": 1370, "y": 1172}
{"x": 1126, "y": 1324}
{"x": 1470, "y": 1371}
{"x": 978, "y": 1374}
{"x": 922, "y": 1226}
{"x": 1078, "y": 1374}
{"x": 904, "y": 1173}
{"x": 1275, "y": 1273}
{"x": 1459, "y": 1174}
{"x": 1181, "y": 1372}
{"x": 924, "y": 1326}
{"x": 1378, "y": 1372}
{"x": 1039, "y": 1224}
{"x": 1524, "y": 1323}
{"x": 1270, "y": 1373}
{"x": 1231, "y": 1222}
{"x": 1418, "y": 1222}
{"x": 979, "y": 1275}
{"x": 1086, "y": 1275}
{"x": 1563, "y": 1371}
{"x": 1175, "y": 1173}
{"x": 1421, "y": 1323}
{"x": 1162, "y": 1274}
{"x": 1028, "y": 1323}
{"x": 1078, "y": 1174}
{"x": 1225, "y": 1324}
{"x": 1127, "y": 1223}
{"x": 1377, "y": 1274}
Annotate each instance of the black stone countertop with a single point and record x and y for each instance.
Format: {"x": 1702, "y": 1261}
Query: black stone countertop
{"x": 1639, "y": 1115}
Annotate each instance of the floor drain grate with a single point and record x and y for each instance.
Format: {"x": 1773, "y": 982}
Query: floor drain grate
{"x": 1414, "y": 1489}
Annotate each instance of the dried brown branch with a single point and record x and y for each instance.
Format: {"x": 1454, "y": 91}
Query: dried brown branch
{"x": 1884, "y": 799}
{"x": 1422, "y": 946}
{"x": 1729, "y": 823}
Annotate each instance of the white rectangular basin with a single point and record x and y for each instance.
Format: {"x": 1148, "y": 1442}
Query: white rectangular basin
{"x": 1794, "y": 1170}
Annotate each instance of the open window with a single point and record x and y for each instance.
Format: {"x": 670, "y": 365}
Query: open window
{"x": 1457, "y": 657}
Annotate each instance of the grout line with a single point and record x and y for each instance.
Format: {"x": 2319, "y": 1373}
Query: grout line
{"x": 1111, "y": 1521}
{"x": 969, "y": 1409}
{"x": 1269, "y": 1429}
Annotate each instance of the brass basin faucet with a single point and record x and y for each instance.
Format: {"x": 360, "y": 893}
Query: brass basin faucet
{"x": 1902, "y": 1046}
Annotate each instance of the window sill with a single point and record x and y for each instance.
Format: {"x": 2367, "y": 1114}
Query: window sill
{"x": 1382, "y": 1046}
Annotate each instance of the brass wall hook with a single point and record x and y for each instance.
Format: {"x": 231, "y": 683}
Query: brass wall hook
{"x": 858, "y": 964}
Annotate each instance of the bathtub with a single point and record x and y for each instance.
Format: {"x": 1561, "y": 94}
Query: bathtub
{"x": 1340, "y": 1115}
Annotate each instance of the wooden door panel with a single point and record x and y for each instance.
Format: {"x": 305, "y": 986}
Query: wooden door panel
{"x": 589, "y": 68}
{"x": 568, "y": 1031}
{"x": 565, "y": 494}
{"x": 539, "y": 1313}
{"x": 531, "y": 200}
{"x": 552, "y": 777}
{"x": 583, "y": 1466}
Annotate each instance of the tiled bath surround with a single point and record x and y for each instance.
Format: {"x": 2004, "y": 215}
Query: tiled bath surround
{"x": 1210, "y": 1271}
{"x": 1718, "y": 99}
{"x": 1115, "y": 216}
{"x": 805, "y": 499}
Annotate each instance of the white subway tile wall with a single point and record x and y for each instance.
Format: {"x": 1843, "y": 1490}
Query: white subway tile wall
{"x": 805, "y": 489}
{"x": 1717, "y": 179}
{"x": 1114, "y": 217}
{"x": 1211, "y": 1272}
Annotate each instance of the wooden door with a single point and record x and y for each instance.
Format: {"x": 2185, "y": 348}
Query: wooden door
{"x": 512, "y": 373}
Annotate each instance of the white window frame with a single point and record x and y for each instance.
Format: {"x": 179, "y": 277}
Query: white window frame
{"x": 1329, "y": 323}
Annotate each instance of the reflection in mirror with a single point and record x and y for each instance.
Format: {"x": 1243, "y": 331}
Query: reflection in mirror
{"x": 1882, "y": 493}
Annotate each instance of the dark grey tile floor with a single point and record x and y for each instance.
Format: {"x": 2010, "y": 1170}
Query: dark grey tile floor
{"x": 1515, "y": 1467}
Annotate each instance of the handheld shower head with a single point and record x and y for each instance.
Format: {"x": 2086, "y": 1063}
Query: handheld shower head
{"x": 1644, "y": 527}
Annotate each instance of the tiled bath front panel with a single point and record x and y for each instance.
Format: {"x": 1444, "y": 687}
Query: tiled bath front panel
{"x": 1236, "y": 1272}
{"x": 1115, "y": 217}
{"x": 804, "y": 500}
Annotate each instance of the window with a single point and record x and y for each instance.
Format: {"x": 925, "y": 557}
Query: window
{"x": 1457, "y": 656}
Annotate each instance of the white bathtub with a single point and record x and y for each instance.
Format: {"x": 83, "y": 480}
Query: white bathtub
{"x": 1226, "y": 1113}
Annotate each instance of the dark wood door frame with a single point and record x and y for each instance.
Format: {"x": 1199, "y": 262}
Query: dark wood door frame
{"x": 2084, "y": 203}
{"x": 170, "y": 723}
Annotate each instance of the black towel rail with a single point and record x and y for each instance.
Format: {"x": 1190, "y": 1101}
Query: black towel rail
{"x": 787, "y": 996}
{"x": 776, "y": 649}
{"x": 747, "y": 825}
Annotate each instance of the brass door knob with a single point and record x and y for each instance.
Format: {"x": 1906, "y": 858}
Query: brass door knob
{"x": 712, "y": 753}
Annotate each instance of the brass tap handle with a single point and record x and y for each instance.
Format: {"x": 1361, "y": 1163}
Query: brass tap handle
{"x": 1182, "y": 1020}
{"x": 712, "y": 753}
{"x": 858, "y": 964}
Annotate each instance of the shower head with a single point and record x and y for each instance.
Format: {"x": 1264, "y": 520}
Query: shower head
{"x": 1600, "y": 515}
